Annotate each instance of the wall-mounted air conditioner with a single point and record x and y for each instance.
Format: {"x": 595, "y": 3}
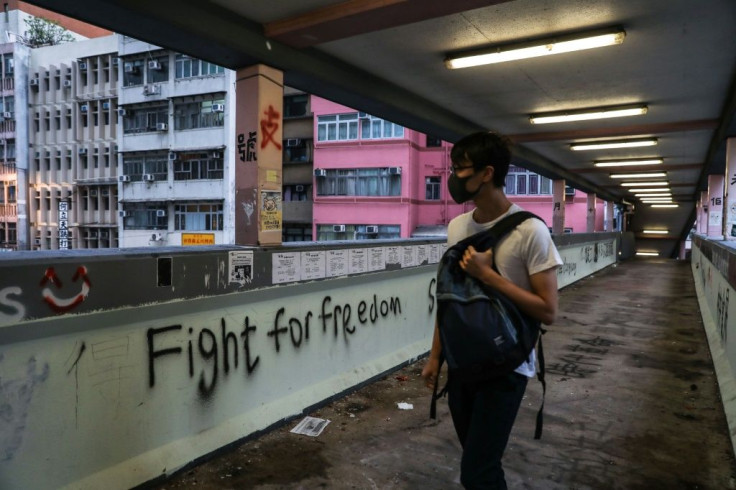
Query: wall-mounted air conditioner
{"x": 125, "y": 214}
{"x": 151, "y": 89}
{"x": 33, "y": 82}
{"x": 124, "y": 178}
{"x": 154, "y": 65}
{"x": 84, "y": 107}
{"x": 172, "y": 155}
{"x": 338, "y": 228}
{"x": 37, "y": 241}
{"x": 105, "y": 192}
{"x": 82, "y": 151}
{"x": 130, "y": 68}
{"x": 218, "y": 107}
{"x": 299, "y": 188}
{"x": 105, "y": 106}
{"x": 148, "y": 178}
{"x": 293, "y": 142}
{"x": 122, "y": 112}
{"x": 7, "y": 115}
{"x": 160, "y": 213}
{"x": 66, "y": 83}
{"x": 82, "y": 65}
{"x": 162, "y": 127}
{"x": 115, "y": 61}
{"x": 93, "y": 193}
{"x": 371, "y": 229}
{"x": 569, "y": 191}
{"x": 320, "y": 172}
{"x": 394, "y": 170}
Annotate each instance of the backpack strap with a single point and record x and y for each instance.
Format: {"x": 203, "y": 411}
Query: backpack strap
{"x": 540, "y": 377}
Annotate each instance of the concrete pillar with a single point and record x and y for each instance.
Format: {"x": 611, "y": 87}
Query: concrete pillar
{"x": 558, "y": 212}
{"x": 258, "y": 155}
{"x": 608, "y": 216}
{"x": 590, "y": 216}
{"x": 715, "y": 206}
{"x": 703, "y": 221}
{"x": 729, "y": 201}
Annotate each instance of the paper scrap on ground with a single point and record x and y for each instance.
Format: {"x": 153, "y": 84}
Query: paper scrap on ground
{"x": 310, "y": 426}
{"x": 406, "y": 406}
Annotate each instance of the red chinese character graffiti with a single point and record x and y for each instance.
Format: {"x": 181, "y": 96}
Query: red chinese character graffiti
{"x": 269, "y": 126}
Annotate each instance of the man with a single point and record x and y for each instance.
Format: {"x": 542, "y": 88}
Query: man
{"x": 484, "y": 412}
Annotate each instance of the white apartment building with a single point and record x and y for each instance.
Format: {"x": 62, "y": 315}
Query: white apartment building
{"x": 176, "y": 180}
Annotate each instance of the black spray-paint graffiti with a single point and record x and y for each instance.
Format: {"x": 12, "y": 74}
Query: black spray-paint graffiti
{"x": 221, "y": 350}
{"x": 584, "y": 360}
{"x": 722, "y": 312}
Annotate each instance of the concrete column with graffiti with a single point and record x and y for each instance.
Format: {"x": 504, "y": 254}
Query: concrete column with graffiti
{"x": 258, "y": 155}
{"x": 558, "y": 213}
{"x": 715, "y": 206}
{"x": 590, "y": 215}
{"x": 729, "y": 214}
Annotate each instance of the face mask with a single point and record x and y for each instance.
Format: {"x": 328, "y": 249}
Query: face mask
{"x": 458, "y": 191}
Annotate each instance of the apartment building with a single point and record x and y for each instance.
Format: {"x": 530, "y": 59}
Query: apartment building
{"x": 9, "y": 179}
{"x": 176, "y": 116}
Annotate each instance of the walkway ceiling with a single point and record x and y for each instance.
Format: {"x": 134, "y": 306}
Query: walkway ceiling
{"x": 386, "y": 57}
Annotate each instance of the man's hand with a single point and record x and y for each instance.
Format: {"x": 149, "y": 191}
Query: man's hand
{"x": 430, "y": 372}
{"x": 477, "y": 264}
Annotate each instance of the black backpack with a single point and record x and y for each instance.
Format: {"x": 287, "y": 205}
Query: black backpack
{"x": 483, "y": 334}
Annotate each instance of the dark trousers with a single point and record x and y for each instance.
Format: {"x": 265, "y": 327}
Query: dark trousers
{"x": 483, "y": 414}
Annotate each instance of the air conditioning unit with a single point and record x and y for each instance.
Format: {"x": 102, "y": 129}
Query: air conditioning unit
{"x": 394, "y": 170}
{"x": 124, "y": 178}
{"x": 37, "y": 241}
{"x": 160, "y": 213}
{"x": 148, "y": 177}
{"x": 162, "y": 127}
{"x": 105, "y": 192}
{"x": 151, "y": 89}
{"x": 122, "y": 112}
{"x": 84, "y": 107}
{"x": 172, "y": 155}
{"x": 338, "y": 228}
{"x": 371, "y": 229}
{"x": 82, "y": 65}
{"x": 33, "y": 82}
{"x": 569, "y": 191}
{"x": 82, "y": 151}
{"x": 293, "y": 142}
{"x": 93, "y": 193}
{"x": 105, "y": 106}
{"x": 125, "y": 214}
{"x": 7, "y": 115}
{"x": 299, "y": 188}
{"x": 154, "y": 65}
{"x": 115, "y": 61}
{"x": 67, "y": 83}
{"x": 320, "y": 172}
{"x": 130, "y": 68}
{"x": 218, "y": 107}
{"x": 105, "y": 234}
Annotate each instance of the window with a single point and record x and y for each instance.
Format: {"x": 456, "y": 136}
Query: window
{"x": 8, "y": 65}
{"x": 133, "y": 73}
{"x": 145, "y": 216}
{"x": 201, "y": 216}
{"x": 187, "y": 67}
{"x": 375, "y": 128}
{"x": 144, "y": 119}
{"x": 196, "y": 166}
{"x": 158, "y": 69}
{"x": 298, "y": 192}
{"x": 384, "y": 181}
{"x": 156, "y": 165}
{"x": 341, "y": 127}
{"x": 432, "y": 186}
{"x": 522, "y": 182}
{"x": 297, "y": 150}
{"x": 199, "y": 114}
{"x": 297, "y": 233}
{"x": 357, "y": 232}
{"x": 295, "y": 105}
{"x": 433, "y": 141}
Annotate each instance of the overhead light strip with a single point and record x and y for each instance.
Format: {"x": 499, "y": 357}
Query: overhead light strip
{"x": 607, "y": 145}
{"x": 655, "y": 232}
{"x": 533, "y": 49}
{"x": 651, "y": 175}
{"x": 644, "y": 184}
{"x": 628, "y": 163}
{"x": 664, "y": 205}
{"x": 652, "y": 189}
{"x": 658, "y": 194}
{"x": 588, "y": 114}
{"x": 648, "y": 254}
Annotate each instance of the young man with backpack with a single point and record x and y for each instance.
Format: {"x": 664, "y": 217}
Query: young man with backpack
{"x": 525, "y": 260}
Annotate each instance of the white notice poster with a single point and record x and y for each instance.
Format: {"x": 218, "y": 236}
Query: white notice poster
{"x": 422, "y": 254}
{"x": 434, "y": 253}
{"x": 241, "y": 267}
{"x": 408, "y": 256}
{"x": 337, "y": 263}
{"x": 376, "y": 259}
{"x": 358, "y": 260}
{"x": 313, "y": 265}
{"x": 393, "y": 255}
{"x": 285, "y": 267}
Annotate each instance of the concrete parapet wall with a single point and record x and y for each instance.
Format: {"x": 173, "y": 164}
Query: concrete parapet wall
{"x": 122, "y": 366}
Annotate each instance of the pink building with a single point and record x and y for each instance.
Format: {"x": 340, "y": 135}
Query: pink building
{"x": 375, "y": 179}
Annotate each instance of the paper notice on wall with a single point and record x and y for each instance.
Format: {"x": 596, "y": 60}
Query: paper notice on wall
{"x": 434, "y": 253}
{"x": 310, "y": 426}
{"x": 240, "y": 267}
{"x": 313, "y": 265}
{"x": 714, "y": 218}
{"x": 376, "y": 259}
{"x": 337, "y": 263}
{"x": 408, "y": 256}
{"x": 422, "y": 254}
{"x": 285, "y": 267}
{"x": 393, "y": 255}
{"x": 358, "y": 263}
{"x": 270, "y": 210}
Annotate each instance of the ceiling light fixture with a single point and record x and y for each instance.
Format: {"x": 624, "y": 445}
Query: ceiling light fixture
{"x": 664, "y": 205}
{"x": 588, "y": 114}
{"x": 628, "y": 163}
{"x": 643, "y": 184}
{"x": 648, "y": 254}
{"x": 534, "y": 48}
{"x": 651, "y": 175}
{"x": 656, "y": 200}
{"x": 653, "y": 189}
{"x": 606, "y": 145}
{"x": 658, "y": 194}
{"x": 655, "y": 232}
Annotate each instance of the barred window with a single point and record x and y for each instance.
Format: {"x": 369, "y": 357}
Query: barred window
{"x": 198, "y": 166}
{"x": 198, "y": 216}
{"x": 521, "y": 182}
{"x": 199, "y": 114}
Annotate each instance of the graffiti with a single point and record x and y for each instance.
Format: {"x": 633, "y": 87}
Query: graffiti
{"x": 249, "y": 207}
{"x": 63, "y": 305}
{"x": 430, "y": 293}
{"x": 247, "y": 148}
{"x": 722, "y": 312}
{"x": 584, "y": 360}
{"x": 11, "y": 310}
{"x": 15, "y": 398}
{"x": 269, "y": 126}
{"x": 589, "y": 253}
{"x": 567, "y": 268}
{"x": 606, "y": 250}
{"x": 75, "y": 367}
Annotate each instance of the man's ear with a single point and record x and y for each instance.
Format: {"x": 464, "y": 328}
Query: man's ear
{"x": 488, "y": 175}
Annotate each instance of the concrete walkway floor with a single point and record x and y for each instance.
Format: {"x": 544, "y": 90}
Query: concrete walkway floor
{"x": 632, "y": 403}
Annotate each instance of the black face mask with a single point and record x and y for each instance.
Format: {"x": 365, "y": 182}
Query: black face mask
{"x": 458, "y": 191}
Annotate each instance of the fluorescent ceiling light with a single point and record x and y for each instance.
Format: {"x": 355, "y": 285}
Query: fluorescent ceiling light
{"x": 533, "y": 49}
{"x": 650, "y": 175}
{"x": 665, "y": 205}
{"x": 659, "y": 194}
{"x": 650, "y": 200}
{"x": 588, "y": 114}
{"x": 628, "y": 163}
{"x": 606, "y": 145}
{"x": 648, "y": 254}
{"x": 653, "y": 189}
{"x": 655, "y": 232}
{"x": 644, "y": 184}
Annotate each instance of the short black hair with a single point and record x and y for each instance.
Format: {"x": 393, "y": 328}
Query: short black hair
{"x": 484, "y": 149}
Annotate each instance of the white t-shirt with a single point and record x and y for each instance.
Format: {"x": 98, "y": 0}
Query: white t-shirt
{"x": 525, "y": 250}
